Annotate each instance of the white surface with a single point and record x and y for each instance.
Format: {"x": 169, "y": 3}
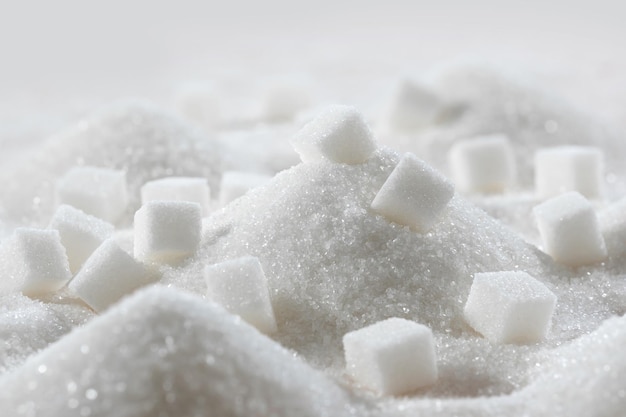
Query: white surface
{"x": 241, "y": 287}
{"x": 483, "y": 164}
{"x": 569, "y": 168}
{"x": 100, "y": 192}
{"x": 414, "y": 195}
{"x": 510, "y": 307}
{"x": 192, "y": 189}
{"x": 80, "y": 233}
{"x": 391, "y": 357}
{"x": 570, "y": 230}
{"x": 108, "y": 275}
{"x": 167, "y": 231}
{"x": 339, "y": 134}
{"x": 40, "y": 261}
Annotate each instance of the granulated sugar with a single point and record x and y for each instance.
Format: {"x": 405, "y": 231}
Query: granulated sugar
{"x": 134, "y": 136}
{"x": 332, "y": 265}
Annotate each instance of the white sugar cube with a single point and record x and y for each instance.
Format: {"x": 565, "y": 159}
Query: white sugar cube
{"x": 338, "y": 134}
{"x": 40, "y": 260}
{"x": 393, "y": 357}
{"x": 80, "y": 233}
{"x": 234, "y": 184}
{"x": 613, "y": 226}
{"x": 167, "y": 231}
{"x": 241, "y": 287}
{"x": 413, "y": 107}
{"x": 97, "y": 191}
{"x": 569, "y": 168}
{"x": 284, "y": 101}
{"x": 193, "y": 189}
{"x": 570, "y": 230}
{"x": 199, "y": 102}
{"x": 483, "y": 165}
{"x": 108, "y": 275}
{"x": 510, "y": 307}
{"x": 414, "y": 195}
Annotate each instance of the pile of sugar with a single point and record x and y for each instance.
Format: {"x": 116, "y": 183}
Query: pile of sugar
{"x": 134, "y": 136}
{"x": 332, "y": 266}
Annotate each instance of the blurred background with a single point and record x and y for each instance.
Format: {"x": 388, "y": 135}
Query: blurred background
{"x": 61, "y": 59}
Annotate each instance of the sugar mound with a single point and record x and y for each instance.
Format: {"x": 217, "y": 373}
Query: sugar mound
{"x": 163, "y": 352}
{"x": 487, "y": 101}
{"x": 334, "y": 266}
{"x": 28, "y": 325}
{"x": 135, "y": 136}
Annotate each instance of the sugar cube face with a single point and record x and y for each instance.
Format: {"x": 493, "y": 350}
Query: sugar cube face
{"x": 338, "y": 134}
{"x": 483, "y": 165}
{"x": 108, "y": 275}
{"x": 510, "y": 307}
{"x": 241, "y": 287}
{"x": 613, "y": 226}
{"x": 100, "y": 192}
{"x": 234, "y": 184}
{"x": 393, "y": 357}
{"x": 80, "y": 233}
{"x": 414, "y": 195}
{"x": 413, "y": 107}
{"x": 570, "y": 230}
{"x": 193, "y": 189}
{"x": 569, "y": 168}
{"x": 41, "y": 260}
{"x": 167, "y": 231}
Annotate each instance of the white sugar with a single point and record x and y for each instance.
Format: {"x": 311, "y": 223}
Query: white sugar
{"x": 174, "y": 353}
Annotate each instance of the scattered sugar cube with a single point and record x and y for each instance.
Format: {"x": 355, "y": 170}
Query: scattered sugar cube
{"x": 570, "y": 230}
{"x": 613, "y": 226}
{"x": 194, "y": 189}
{"x": 167, "y": 231}
{"x": 569, "y": 168}
{"x": 510, "y": 307}
{"x": 393, "y": 357}
{"x": 483, "y": 165}
{"x": 241, "y": 287}
{"x": 284, "y": 101}
{"x": 108, "y": 275}
{"x": 413, "y": 107}
{"x": 80, "y": 233}
{"x": 40, "y": 260}
{"x": 97, "y": 191}
{"x": 236, "y": 183}
{"x": 199, "y": 102}
{"x": 338, "y": 134}
{"x": 414, "y": 195}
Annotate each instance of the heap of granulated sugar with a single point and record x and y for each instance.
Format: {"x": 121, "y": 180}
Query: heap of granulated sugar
{"x": 28, "y": 325}
{"x": 164, "y": 352}
{"x": 479, "y": 101}
{"x": 133, "y": 136}
{"x": 334, "y": 265}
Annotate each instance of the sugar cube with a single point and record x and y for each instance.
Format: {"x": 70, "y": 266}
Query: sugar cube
{"x": 100, "y": 192}
{"x": 199, "y": 102}
{"x": 234, "y": 184}
{"x": 509, "y": 307}
{"x": 413, "y": 107}
{"x": 80, "y": 233}
{"x": 483, "y": 164}
{"x": 570, "y": 230}
{"x": 569, "y": 168}
{"x": 414, "y": 195}
{"x": 167, "y": 231}
{"x": 613, "y": 226}
{"x": 194, "y": 189}
{"x": 339, "y": 134}
{"x": 241, "y": 287}
{"x": 108, "y": 275}
{"x": 284, "y": 101}
{"x": 393, "y": 357}
{"x": 40, "y": 260}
